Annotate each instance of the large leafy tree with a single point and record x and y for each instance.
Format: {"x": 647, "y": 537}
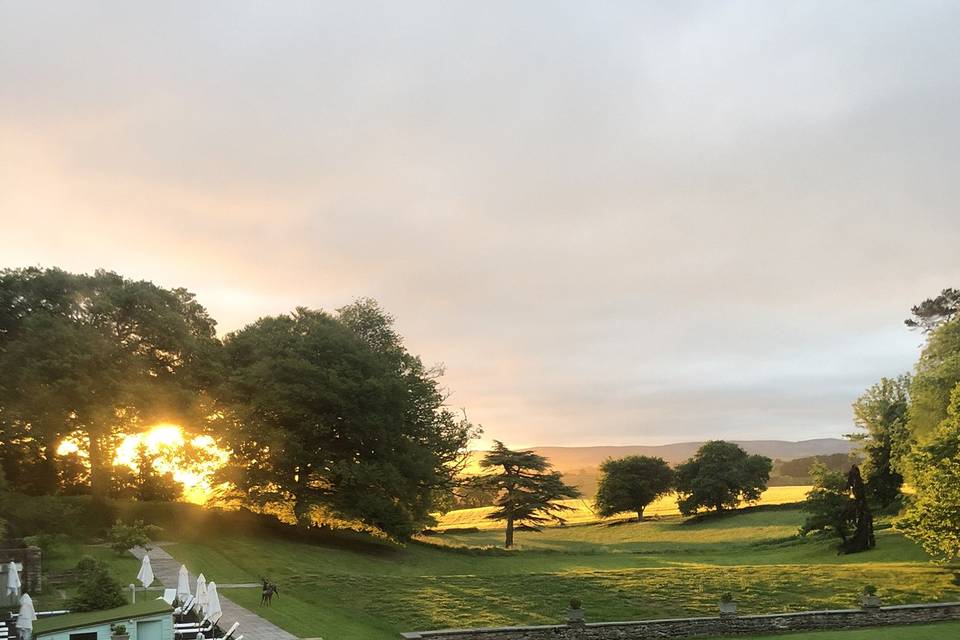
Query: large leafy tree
{"x": 933, "y": 518}
{"x": 829, "y": 506}
{"x": 632, "y": 483}
{"x": 720, "y": 476}
{"x": 937, "y": 372}
{"x": 93, "y": 356}
{"x": 527, "y": 489}
{"x": 329, "y": 415}
{"x": 881, "y": 414}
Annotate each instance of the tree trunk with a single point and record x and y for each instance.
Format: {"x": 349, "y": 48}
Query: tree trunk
{"x": 508, "y": 539}
{"x": 640, "y": 514}
{"x": 49, "y": 483}
{"x": 719, "y": 507}
{"x": 99, "y": 469}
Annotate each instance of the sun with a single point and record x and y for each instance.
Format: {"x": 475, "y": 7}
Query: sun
{"x": 192, "y": 461}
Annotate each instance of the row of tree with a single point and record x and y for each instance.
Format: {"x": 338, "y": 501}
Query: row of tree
{"x": 326, "y": 414}
{"x": 720, "y": 476}
{"x": 909, "y": 431}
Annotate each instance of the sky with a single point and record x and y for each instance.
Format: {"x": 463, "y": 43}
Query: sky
{"x": 616, "y": 223}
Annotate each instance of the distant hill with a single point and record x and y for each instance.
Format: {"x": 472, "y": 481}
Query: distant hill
{"x": 573, "y": 458}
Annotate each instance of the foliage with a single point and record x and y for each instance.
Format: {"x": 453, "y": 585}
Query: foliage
{"x": 881, "y": 412}
{"x": 936, "y": 373}
{"x": 720, "y": 476}
{"x": 527, "y": 489}
{"x": 92, "y": 355}
{"x": 36, "y": 515}
{"x": 97, "y": 589}
{"x": 145, "y": 483}
{"x": 632, "y": 483}
{"x": 933, "y": 312}
{"x": 870, "y": 590}
{"x": 933, "y": 518}
{"x": 123, "y": 536}
{"x": 828, "y": 504}
{"x": 576, "y": 603}
{"x": 118, "y": 629}
{"x": 802, "y": 467}
{"x": 726, "y": 597}
{"x": 331, "y": 415}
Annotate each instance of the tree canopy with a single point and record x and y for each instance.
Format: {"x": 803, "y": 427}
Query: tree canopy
{"x": 632, "y": 483}
{"x": 936, "y": 373}
{"x": 720, "y": 476}
{"x": 881, "y": 413}
{"x": 828, "y": 505}
{"x": 329, "y": 414}
{"x": 933, "y": 518}
{"x": 92, "y": 356}
{"x": 527, "y": 489}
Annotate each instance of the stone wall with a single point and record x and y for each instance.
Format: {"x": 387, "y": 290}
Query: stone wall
{"x": 709, "y": 626}
{"x": 30, "y": 575}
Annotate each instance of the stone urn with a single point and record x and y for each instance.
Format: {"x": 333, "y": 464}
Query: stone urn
{"x": 575, "y": 612}
{"x": 870, "y": 601}
{"x": 728, "y": 606}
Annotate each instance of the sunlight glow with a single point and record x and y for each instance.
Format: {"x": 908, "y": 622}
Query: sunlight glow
{"x": 192, "y": 462}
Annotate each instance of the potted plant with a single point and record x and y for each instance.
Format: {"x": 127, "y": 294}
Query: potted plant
{"x": 870, "y": 600}
{"x": 728, "y": 606}
{"x": 119, "y": 632}
{"x": 575, "y": 612}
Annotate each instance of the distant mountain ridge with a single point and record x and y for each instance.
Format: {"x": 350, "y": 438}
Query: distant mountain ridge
{"x": 578, "y": 458}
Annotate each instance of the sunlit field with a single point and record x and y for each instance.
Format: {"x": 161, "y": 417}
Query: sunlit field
{"x": 581, "y": 510}
{"x": 659, "y": 568}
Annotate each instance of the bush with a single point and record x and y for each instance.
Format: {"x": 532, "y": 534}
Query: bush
{"x": 98, "y": 589}
{"x": 575, "y": 603}
{"x": 869, "y": 590}
{"x": 35, "y": 515}
{"x": 124, "y": 537}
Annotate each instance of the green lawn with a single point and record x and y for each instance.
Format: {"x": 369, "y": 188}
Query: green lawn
{"x": 658, "y": 568}
{"x": 941, "y": 631}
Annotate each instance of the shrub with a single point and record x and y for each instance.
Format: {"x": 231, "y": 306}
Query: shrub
{"x": 118, "y": 629}
{"x": 869, "y": 590}
{"x": 98, "y": 589}
{"x": 575, "y": 603}
{"x": 124, "y": 536}
{"x": 726, "y": 597}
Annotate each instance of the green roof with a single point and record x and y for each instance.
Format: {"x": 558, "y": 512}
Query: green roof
{"x": 46, "y": 626}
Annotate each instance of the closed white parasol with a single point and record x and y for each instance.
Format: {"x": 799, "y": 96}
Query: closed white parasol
{"x": 13, "y": 580}
{"x": 183, "y": 583}
{"x": 146, "y": 572}
{"x": 213, "y": 602}
{"x": 203, "y": 601}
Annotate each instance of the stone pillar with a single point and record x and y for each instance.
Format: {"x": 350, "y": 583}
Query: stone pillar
{"x": 32, "y": 570}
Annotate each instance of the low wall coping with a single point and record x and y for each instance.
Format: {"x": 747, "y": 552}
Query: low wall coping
{"x": 420, "y": 635}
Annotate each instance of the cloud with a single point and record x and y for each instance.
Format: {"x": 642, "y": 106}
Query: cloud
{"x": 613, "y": 224}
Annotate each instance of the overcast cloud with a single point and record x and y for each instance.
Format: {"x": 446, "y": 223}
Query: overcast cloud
{"x": 614, "y": 223}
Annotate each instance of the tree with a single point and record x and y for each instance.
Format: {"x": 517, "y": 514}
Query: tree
{"x": 881, "y": 412}
{"x": 828, "y": 504}
{"x": 933, "y": 517}
{"x": 721, "y": 475}
{"x": 936, "y": 373}
{"x": 527, "y": 489}
{"x": 932, "y": 312}
{"x": 632, "y": 483}
{"x": 151, "y": 485}
{"x": 97, "y": 589}
{"x": 329, "y": 414}
{"x": 863, "y": 538}
{"x": 123, "y": 536}
{"x": 94, "y": 355}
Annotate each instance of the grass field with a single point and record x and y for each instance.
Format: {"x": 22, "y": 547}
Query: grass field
{"x": 581, "y": 510}
{"x": 659, "y": 568}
